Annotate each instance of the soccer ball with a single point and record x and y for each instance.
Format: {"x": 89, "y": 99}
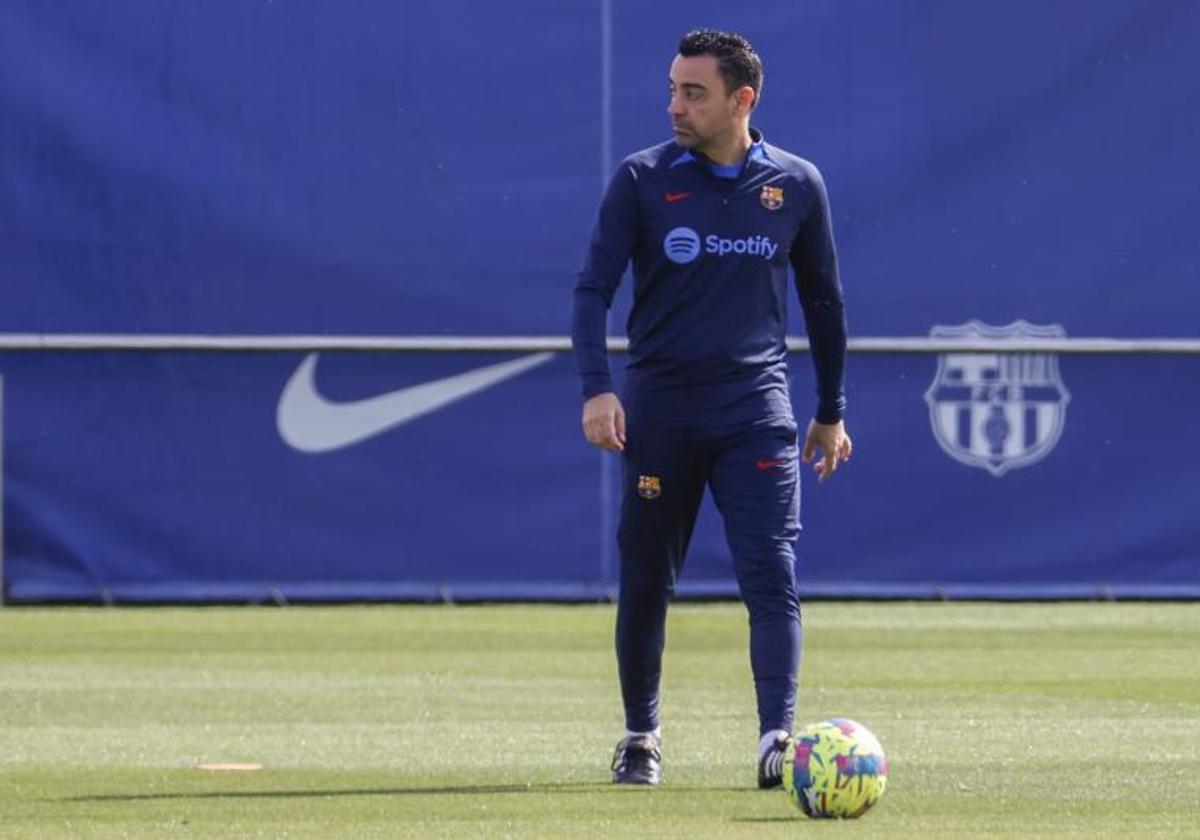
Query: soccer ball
{"x": 835, "y": 768}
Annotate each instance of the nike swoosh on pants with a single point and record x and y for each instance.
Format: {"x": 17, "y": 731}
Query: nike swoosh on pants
{"x": 309, "y": 422}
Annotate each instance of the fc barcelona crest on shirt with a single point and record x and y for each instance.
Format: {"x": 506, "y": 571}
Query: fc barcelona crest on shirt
{"x": 771, "y": 197}
{"x": 649, "y": 486}
{"x": 998, "y": 409}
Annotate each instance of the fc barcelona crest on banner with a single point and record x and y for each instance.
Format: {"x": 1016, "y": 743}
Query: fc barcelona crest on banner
{"x": 998, "y": 410}
{"x": 649, "y": 486}
{"x": 771, "y": 197}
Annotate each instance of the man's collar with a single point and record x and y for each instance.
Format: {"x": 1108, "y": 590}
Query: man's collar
{"x": 758, "y": 148}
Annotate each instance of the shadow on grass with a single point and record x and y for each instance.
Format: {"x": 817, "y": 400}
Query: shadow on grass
{"x": 544, "y": 787}
{"x": 789, "y": 819}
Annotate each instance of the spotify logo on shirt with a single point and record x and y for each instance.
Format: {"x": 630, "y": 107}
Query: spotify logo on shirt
{"x": 682, "y": 246}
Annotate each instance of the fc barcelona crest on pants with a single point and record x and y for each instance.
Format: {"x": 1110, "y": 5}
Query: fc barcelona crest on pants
{"x": 998, "y": 410}
{"x": 649, "y": 486}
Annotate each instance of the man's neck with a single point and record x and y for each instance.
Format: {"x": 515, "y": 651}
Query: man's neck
{"x": 732, "y": 150}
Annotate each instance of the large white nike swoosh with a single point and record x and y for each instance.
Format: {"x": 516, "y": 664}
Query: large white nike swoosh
{"x": 309, "y": 422}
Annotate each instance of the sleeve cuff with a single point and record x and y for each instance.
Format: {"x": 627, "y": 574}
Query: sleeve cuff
{"x": 831, "y": 411}
{"x": 596, "y": 384}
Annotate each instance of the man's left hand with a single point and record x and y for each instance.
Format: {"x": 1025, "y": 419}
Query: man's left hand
{"x": 833, "y": 442}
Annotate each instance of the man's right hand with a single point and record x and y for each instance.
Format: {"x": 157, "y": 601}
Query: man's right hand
{"x": 604, "y": 422}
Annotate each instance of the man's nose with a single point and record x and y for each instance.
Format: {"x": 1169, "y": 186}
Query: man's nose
{"x": 675, "y": 106}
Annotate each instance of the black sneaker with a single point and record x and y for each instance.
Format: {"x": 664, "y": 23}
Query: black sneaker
{"x": 770, "y": 763}
{"x": 636, "y": 761}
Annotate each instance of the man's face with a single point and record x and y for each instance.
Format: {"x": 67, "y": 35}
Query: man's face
{"x": 701, "y": 111}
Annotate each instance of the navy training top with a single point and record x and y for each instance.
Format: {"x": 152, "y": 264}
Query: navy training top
{"x": 707, "y": 330}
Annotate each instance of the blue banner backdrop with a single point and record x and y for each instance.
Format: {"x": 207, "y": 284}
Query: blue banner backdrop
{"x": 312, "y": 168}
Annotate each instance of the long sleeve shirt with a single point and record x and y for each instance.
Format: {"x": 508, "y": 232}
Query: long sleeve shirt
{"x": 707, "y": 329}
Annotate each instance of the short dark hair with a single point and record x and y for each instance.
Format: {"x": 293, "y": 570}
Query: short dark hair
{"x": 737, "y": 61}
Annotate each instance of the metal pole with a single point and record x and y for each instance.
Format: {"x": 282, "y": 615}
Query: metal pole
{"x": 555, "y": 344}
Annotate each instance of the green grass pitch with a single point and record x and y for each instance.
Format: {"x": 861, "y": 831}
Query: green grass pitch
{"x": 999, "y": 720}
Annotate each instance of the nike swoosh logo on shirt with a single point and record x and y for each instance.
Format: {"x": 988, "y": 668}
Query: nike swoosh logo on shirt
{"x": 767, "y": 463}
{"x": 673, "y": 197}
{"x": 309, "y": 422}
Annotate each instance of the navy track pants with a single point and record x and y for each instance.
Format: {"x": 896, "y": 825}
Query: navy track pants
{"x": 752, "y": 471}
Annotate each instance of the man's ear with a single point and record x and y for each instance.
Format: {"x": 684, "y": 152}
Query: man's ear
{"x": 745, "y": 99}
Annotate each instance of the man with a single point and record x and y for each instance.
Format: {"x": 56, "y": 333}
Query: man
{"x": 711, "y": 221}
